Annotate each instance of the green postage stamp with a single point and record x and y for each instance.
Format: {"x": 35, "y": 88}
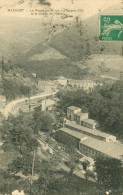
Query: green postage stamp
{"x": 111, "y": 27}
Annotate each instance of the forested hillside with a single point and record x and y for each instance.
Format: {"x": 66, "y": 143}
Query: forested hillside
{"x": 64, "y": 43}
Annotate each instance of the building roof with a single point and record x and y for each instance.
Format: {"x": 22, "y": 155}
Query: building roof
{"x": 114, "y": 150}
{"x": 50, "y": 85}
{"x": 111, "y": 149}
{"x": 90, "y": 121}
{"x": 16, "y": 192}
{"x": 62, "y": 78}
{"x": 81, "y": 81}
{"x": 84, "y": 158}
{"x": 73, "y": 108}
{"x": 80, "y": 114}
{"x": 89, "y": 131}
{"x": 73, "y": 133}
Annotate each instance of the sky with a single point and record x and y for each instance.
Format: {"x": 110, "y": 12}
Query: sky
{"x": 90, "y": 7}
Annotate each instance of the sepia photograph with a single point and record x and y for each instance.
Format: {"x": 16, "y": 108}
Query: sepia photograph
{"x": 61, "y": 97}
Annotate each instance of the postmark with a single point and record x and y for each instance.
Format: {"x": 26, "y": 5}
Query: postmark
{"x": 111, "y": 27}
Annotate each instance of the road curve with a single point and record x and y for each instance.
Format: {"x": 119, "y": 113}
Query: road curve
{"x": 9, "y": 108}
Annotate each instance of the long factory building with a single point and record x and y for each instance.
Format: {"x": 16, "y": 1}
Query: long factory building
{"x": 80, "y": 131}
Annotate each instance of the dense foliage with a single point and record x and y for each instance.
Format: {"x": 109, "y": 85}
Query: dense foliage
{"x": 52, "y": 68}
{"x": 104, "y": 104}
{"x": 8, "y": 183}
{"x": 17, "y": 133}
{"x": 42, "y": 121}
{"x": 109, "y": 172}
{"x": 13, "y": 89}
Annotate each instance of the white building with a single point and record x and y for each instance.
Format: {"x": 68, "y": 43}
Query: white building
{"x": 47, "y": 104}
{"x": 71, "y": 111}
{"x": 16, "y": 192}
{"x": 47, "y": 86}
{"x": 79, "y": 116}
{"x": 62, "y": 81}
{"x": 86, "y": 85}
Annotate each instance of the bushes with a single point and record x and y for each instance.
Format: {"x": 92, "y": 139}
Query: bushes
{"x": 13, "y": 89}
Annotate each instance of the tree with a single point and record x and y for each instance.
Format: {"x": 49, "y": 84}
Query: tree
{"x": 25, "y": 90}
{"x": 42, "y": 122}
{"x": 106, "y": 107}
{"x": 18, "y": 134}
{"x": 8, "y": 183}
{"x": 48, "y": 177}
{"x": 72, "y": 166}
{"x": 23, "y": 164}
{"x": 73, "y": 162}
{"x": 74, "y": 97}
{"x": 109, "y": 172}
{"x": 13, "y": 89}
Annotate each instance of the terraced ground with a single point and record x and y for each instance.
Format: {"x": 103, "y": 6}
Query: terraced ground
{"x": 100, "y": 64}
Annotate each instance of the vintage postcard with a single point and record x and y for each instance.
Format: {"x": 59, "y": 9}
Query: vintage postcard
{"x": 61, "y": 97}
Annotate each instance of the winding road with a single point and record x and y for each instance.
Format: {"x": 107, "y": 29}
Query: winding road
{"x": 12, "y": 106}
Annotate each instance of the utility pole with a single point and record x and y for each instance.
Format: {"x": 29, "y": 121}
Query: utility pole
{"x": 29, "y": 99}
{"x": 33, "y": 165}
{"x": 121, "y": 75}
{"x": 3, "y": 68}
